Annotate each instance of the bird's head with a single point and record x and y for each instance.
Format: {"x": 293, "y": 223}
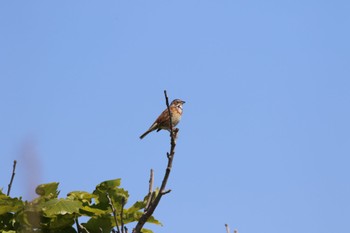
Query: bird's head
{"x": 178, "y": 103}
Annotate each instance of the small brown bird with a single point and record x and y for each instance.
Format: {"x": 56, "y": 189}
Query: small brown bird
{"x": 162, "y": 121}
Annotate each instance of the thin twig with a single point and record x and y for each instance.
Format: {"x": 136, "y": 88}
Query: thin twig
{"x": 167, "y": 191}
{"x": 153, "y": 194}
{"x": 126, "y": 229}
{"x": 170, "y": 118}
{"x": 227, "y": 228}
{"x": 150, "y": 189}
{"x": 83, "y": 228}
{"x": 153, "y": 205}
{"x": 12, "y": 177}
{"x": 77, "y": 224}
{"x": 114, "y": 212}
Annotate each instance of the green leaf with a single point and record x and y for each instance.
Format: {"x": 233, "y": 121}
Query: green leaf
{"x": 135, "y": 216}
{"x": 84, "y": 197}
{"x": 48, "y": 190}
{"x": 8, "y": 204}
{"x": 119, "y": 196}
{"x": 154, "y": 221}
{"x": 59, "y": 222}
{"x": 30, "y": 217}
{"x": 62, "y": 206}
{"x": 91, "y": 211}
{"x": 64, "y": 230}
{"x": 144, "y": 230}
{"x": 7, "y": 221}
{"x": 108, "y": 185}
{"x": 95, "y": 224}
{"x": 139, "y": 205}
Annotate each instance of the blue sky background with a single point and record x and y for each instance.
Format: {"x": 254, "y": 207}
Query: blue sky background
{"x": 264, "y": 141}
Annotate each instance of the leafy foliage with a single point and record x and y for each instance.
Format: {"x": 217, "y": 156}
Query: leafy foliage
{"x": 48, "y": 213}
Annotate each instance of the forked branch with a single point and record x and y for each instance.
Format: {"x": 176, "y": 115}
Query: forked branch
{"x": 170, "y": 155}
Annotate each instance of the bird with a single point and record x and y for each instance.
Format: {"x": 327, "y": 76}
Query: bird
{"x": 162, "y": 122}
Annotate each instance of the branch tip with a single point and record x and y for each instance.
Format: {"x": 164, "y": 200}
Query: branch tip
{"x": 12, "y": 177}
{"x": 166, "y": 192}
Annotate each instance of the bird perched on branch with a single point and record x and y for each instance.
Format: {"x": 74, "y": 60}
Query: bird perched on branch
{"x": 163, "y": 121}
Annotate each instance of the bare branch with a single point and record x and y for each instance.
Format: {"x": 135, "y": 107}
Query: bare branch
{"x": 114, "y": 212}
{"x": 150, "y": 189}
{"x": 153, "y": 205}
{"x": 12, "y": 177}
{"x": 169, "y": 112}
{"x": 227, "y": 228}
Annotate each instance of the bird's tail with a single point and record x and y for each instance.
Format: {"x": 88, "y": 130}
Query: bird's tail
{"x": 145, "y": 133}
{"x": 153, "y": 127}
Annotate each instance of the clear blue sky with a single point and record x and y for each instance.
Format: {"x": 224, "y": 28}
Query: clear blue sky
{"x": 264, "y": 142}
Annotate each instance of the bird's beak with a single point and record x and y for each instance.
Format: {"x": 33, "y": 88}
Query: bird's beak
{"x": 183, "y": 102}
